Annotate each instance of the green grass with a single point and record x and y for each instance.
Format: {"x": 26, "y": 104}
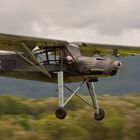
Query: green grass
{"x": 34, "y": 119}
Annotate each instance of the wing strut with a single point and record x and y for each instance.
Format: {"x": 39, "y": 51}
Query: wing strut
{"x": 30, "y": 62}
{"x": 32, "y": 56}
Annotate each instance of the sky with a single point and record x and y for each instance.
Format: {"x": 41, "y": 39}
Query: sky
{"x": 97, "y": 21}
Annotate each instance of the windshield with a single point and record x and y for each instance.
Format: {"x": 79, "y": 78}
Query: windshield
{"x": 74, "y": 50}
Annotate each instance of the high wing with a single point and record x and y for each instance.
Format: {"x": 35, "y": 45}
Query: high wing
{"x": 14, "y": 42}
{"x": 90, "y": 49}
{"x": 25, "y": 45}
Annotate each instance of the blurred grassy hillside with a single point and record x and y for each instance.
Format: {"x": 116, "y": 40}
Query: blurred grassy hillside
{"x": 34, "y": 119}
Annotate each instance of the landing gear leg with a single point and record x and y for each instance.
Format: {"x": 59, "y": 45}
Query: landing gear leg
{"x": 60, "y": 112}
{"x": 99, "y": 113}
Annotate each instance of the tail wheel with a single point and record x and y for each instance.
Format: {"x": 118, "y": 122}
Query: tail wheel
{"x": 100, "y": 116}
{"x": 60, "y": 113}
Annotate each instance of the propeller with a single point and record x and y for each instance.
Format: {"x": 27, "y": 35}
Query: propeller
{"x": 124, "y": 72}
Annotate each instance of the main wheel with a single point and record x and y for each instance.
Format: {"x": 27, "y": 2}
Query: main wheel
{"x": 99, "y": 116}
{"x": 60, "y": 113}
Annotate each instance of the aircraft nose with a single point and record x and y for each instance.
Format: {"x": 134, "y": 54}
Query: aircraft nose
{"x": 117, "y": 64}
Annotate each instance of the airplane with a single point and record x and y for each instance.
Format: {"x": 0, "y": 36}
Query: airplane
{"x": 60, "y": 61}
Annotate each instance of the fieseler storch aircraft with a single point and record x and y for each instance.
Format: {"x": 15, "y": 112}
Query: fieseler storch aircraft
{"x": 59, "y": 61}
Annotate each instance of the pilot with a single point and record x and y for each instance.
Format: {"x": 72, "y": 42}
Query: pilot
{"x": 69, "y": 59}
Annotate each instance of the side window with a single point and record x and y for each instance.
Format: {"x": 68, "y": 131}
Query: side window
{"x": 54, "y": 55}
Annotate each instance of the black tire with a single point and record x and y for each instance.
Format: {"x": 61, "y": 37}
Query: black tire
{"x": 60, "y": 113}
{"x": 99, "y": 116}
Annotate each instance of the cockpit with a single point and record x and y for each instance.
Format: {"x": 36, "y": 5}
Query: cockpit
{"x": 58, "y": 55}
{"x": 55, "y": 56}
